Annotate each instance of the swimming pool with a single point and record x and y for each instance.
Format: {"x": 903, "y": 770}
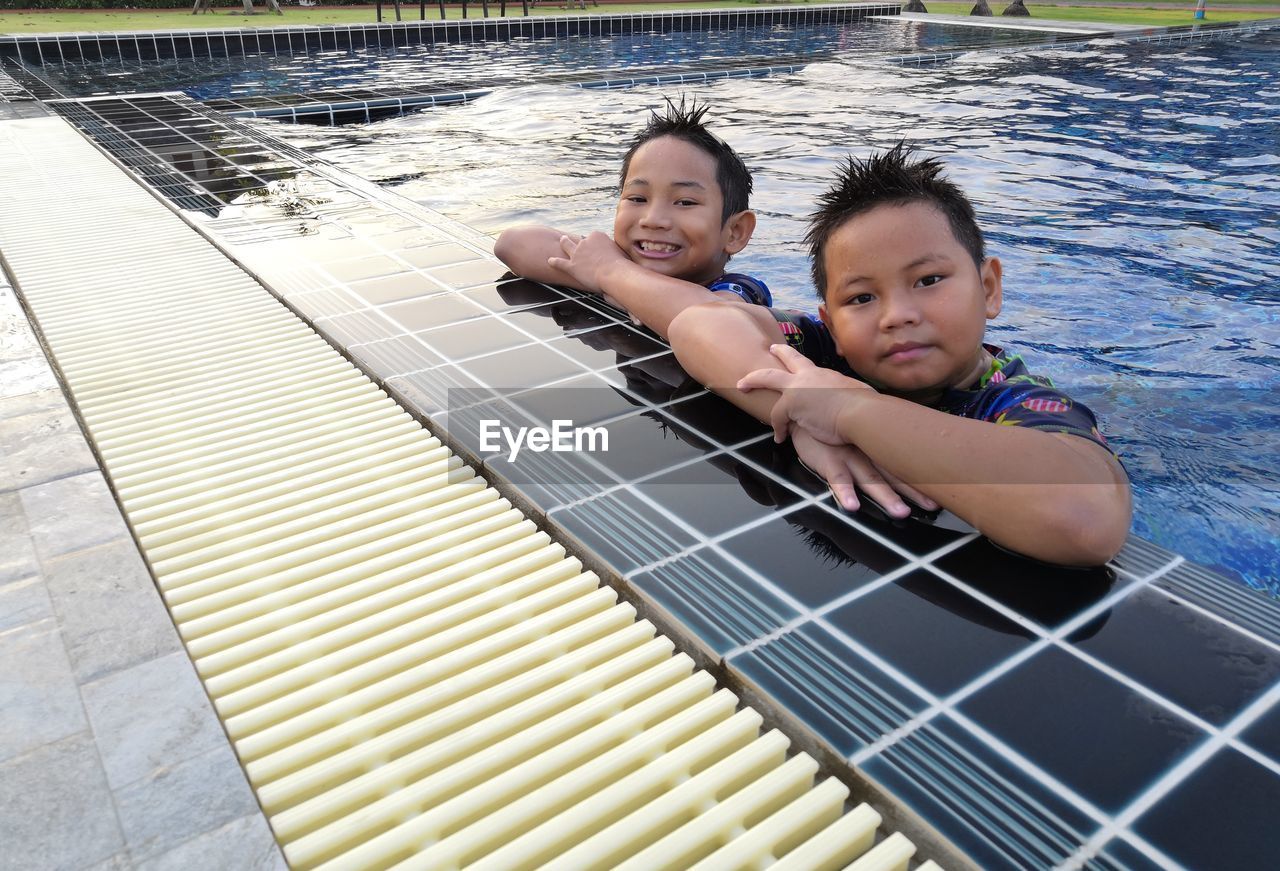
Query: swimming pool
{"x": 1131, "y": 189}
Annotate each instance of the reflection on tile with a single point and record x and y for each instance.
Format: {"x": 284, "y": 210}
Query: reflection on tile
{"x": 812, "y": 555}
{"x": 397, "y": 355}
{"x": 1037, "y": 708}
{"x": 1222, "y": 816}
{"x": 394, "y": 288}
{"x": 557, "y": 319}
{"x": 1000, "y": 816}
{"x": 781, "y": 460}
{"x": 1264, "y": 734}
{"x": 717, "y": 601}
{"x": 640, "y": 445}
{"x": 1192, "y": 660}
{"x": 1233, "y": 601}
{"x": 435, "y": 311}
{"x": 920, "y": 534}
{"x": 508, "y": 296}
{"x": 363, "y": 267}
{"x": 438, "y": 255}
{"x": 470, "y": 339}
{"x": 585, "y": 400}
{"x": 624, "y": 530}
{"x": 610, "y": 346}
{"x": 841, "y": 697}
{"x": 709, "y": 415}
{"x": 1048, "y": 595}
{"x": 716, "y": 494}
{"x": 469, "y": 274}
{"x": 934, "y": 633}
{"x": 530, "y": 366}
{"x": 657, "y": 380}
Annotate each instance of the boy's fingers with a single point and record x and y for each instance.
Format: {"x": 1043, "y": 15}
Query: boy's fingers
{"x": 876, "y": 487}
{"x": 770, "y": 379}
{"x": 791, "y": 358}
{"x": 558, "y": 263}
{"x": 780, "y": 420}
{"x": 905, "y": 489}
{"x": 568, "y": 244}
{"x": 841, "y": 484}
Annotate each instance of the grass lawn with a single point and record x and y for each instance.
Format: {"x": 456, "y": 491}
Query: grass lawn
{"x": 1109, "y": 15}
{"x": 64, "y": 21}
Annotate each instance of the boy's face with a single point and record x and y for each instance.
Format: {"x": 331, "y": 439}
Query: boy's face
{"x": 905, "y": 303}
{"x": 669, "y": 213}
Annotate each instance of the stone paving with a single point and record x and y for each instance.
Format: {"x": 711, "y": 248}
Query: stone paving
{"x": 110, "y": 754}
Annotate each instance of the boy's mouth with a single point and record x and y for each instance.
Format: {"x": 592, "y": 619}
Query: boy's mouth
{"x": 657, "y": 249}
{"x": 905, "y": 351}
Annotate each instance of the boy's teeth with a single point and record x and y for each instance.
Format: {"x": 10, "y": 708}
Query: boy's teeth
{"x": 659, "y": 247}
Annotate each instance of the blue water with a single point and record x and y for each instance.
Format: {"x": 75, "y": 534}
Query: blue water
{"x": 459, "y": 65}
{"x": 1132, "y": 191}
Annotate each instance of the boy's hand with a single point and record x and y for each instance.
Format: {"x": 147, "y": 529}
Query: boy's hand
{"x": 811, "y": 396}
{"x": 843, "y": 466}
{"x": 587, "y": 259}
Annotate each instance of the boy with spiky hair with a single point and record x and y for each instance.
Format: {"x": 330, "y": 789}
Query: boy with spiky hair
{"x": 683, "y": 211}
{"x": 895, "y": 366}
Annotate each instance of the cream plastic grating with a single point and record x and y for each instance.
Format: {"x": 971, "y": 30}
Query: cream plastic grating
{"x": 412, "y": 675}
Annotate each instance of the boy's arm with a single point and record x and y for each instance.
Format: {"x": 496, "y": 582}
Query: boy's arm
{"x": 596, "y": 263}
{"x": 719, "y": 343}
{"x": 525, "y": 250}
{"x": 1053, "y": 496}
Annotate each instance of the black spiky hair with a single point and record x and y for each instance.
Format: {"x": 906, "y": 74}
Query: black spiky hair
{"x": 895, "y": 177}
{"x": 684, "y": 120}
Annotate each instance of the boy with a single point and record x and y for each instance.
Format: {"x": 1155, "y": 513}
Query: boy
{"x": 906, "y": 290}
{"x": 682, "y": 213}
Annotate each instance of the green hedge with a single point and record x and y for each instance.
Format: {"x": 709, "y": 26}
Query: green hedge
{"x": 150, "y": 4}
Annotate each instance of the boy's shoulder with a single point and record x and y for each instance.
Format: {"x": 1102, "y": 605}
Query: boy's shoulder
{"x": 750, "y": 288}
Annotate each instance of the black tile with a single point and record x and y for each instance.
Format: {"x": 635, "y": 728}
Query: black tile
{"x": 1222, "y": 816}
{"x": 475, "y": 337}
{"x": 584, "y": 400}
{"x": 709, "y": 415}
{"x": 997, "y": 814}
{"x": 530, "y": 366}
{"x": 931, "y": 631}
{"x": 718, "y": 602}
{"x": 715, "y": 495}
{"x": 1094, "y": 734}
{"x": 1264, "y": 734}
{"x": 841, "y": 697}
{"x": 657, "y": 380}
{"x": 1048, "y": 595}
{"x": 812, "y": 555}
{"x": 613, "y": 345}
{"x": 1190, "y": 659}
{"x": 640, "y": 445}
{"x": 506, "y": 296}
{"x": 558, "y": 318}
{"x": 624, "y": 530}
{"x": 1119, "y": 855}
{"x": 435, "y": 311}
{"x": 781, "y": 460}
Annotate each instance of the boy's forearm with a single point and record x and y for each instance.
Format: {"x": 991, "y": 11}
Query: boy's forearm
{"x": 1053, "y": 496}
{"x": 652, "y": 298}
{"x": 719, "y": 343}
{"x": 525, "y": 251}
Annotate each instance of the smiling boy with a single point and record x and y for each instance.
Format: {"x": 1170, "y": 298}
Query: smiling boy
{"x": 682, "y": 213}
{"x": 896, "y": 366}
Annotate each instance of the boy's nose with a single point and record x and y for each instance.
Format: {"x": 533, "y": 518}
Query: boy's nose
{"x": 898, "y": 310}
{"x": 655, "y": 216}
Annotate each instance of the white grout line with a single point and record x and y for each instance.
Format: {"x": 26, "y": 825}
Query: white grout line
{"x": 1218, "y": 618}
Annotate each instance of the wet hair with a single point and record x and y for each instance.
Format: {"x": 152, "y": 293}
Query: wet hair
{"x": 891, "y": 178}
{"x": 684, "y": 121}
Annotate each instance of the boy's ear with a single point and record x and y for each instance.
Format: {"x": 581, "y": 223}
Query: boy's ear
{"x": 738, "y": 230}
{"x": 991, "y": 273}
{"x": 826, "y": 321}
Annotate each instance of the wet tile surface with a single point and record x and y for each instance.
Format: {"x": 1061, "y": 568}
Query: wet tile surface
{"x": 1036, "y": 708}
{"x": 1236, "y": 829}
{"x": 934, "y": 633}
{"x": 1207, "y": 668}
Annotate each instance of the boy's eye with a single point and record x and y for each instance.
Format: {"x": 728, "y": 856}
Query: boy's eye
{"x": 860, "y": 299}
{"x": 929, "y": 280}
{"x": 686, "y": 202}
{"x": 634, "y": 198}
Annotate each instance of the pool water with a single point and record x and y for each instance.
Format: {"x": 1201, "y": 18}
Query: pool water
{"x": 461, "y": 65}
{"x": 1132, "y": 191}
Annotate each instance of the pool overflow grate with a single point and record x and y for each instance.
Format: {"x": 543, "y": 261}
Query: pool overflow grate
{"x": 411, "y": 673}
